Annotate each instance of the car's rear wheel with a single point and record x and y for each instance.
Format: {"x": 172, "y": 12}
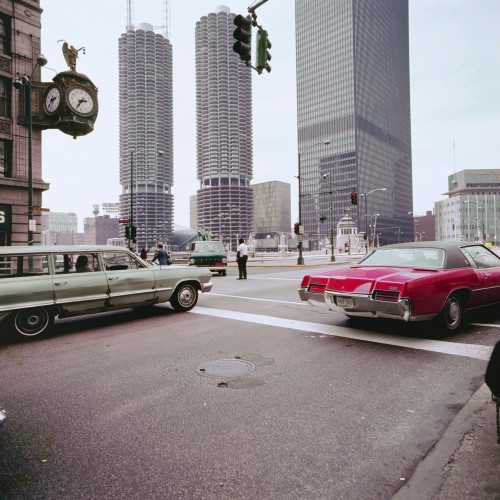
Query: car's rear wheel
{"x": 184, "y": 298}
{"x": 452, "y": 313}
{"x": 33, "y": 322}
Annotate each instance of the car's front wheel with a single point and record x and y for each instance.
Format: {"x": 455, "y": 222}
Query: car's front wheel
{"x": 33, "y": 322}
{"x": 184, "y": 298}
{"x": 452, "y": 313}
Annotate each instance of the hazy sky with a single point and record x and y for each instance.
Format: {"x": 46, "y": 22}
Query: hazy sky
{"x": 455, "y": 82}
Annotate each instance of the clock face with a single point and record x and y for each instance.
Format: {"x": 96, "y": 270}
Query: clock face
{"x": 80, "y": 101}
{"x": 52, "y": 100}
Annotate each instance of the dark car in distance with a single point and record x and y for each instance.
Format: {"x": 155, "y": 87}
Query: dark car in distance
{"x": 209, "y": 253}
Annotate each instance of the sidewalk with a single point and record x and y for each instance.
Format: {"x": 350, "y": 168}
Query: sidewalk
{"x": 465, "y": 462}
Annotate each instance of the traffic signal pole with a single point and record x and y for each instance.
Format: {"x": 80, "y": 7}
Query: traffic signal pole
{"x": 243, "y": 37}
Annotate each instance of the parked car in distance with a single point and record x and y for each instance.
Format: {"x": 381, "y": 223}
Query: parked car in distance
{"x": 430, "y": 280}
{"x": 35, "y": 287}
{"x": 211, "y": 254}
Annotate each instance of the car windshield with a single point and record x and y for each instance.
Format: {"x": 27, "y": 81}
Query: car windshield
{"x": 407, "y": 257}
{"x": 208, "y": 247}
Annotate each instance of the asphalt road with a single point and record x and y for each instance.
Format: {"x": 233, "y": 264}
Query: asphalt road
{"x": 116, "y": 405}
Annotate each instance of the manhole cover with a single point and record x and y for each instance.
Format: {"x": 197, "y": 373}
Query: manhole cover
{"x": 226, "y": 368}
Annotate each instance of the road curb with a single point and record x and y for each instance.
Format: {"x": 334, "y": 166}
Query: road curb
{"x": 430, "y": 475}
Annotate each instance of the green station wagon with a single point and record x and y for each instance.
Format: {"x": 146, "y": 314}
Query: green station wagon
{"x": 38, "y": 283}
{"x": 211, "y": 254}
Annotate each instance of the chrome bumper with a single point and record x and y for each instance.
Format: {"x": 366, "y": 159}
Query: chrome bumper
{"x": 3, "y": 416}
{"x": 310, "y": 297}
{"x": 206, "y": 287}
{"x": 366, "y": 306}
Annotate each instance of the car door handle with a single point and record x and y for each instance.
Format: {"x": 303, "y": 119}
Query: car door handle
{"x": 112, "y": 279}
{"x": 487, "y": 275}
{"x": 58, "y": 283}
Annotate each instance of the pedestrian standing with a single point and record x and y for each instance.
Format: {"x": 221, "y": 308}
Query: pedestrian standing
{"x": 161, "y": 255}
{"x": 144, "y": 254}
{"x": 242, "y": 257}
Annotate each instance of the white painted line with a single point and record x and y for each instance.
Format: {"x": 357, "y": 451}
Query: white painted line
{"x": 301, "y": 303}
{"x": 485, "y": 324}
{"x": 275, "y": 279}
{"x": 474, "y": 351}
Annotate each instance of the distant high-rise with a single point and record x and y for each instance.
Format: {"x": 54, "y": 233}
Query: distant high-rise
{"x": 224, "y": 130}
{"x": 146, "y": 136}
{"x": 353, "y": 90}
{"x": 272, "y": 208}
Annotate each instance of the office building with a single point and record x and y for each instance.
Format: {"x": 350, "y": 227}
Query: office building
{"x": 272, "y": 208}
{"x": 353, "y": 90}
{"x": 146, "y": 136}
{"x": 472, "y": 210}
{"x": 60, "y": 228}
{"x": 224, "y": 131}
{"x": 99, "y": 229}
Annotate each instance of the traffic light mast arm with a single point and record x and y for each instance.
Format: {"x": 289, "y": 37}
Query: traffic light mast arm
{"x": 253, "y": 8}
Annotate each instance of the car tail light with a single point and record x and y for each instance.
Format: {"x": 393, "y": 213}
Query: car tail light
{"x": 386, "y": 295}
{"x": 305, "y": 281}
{"x": 317, "y": 287}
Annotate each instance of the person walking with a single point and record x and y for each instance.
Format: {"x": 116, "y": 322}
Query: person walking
{"x": 161, "y": 255}
{"x": 242, "y": 257}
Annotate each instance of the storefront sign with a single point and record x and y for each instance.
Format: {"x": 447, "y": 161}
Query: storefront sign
{"x": 5, "y": 218}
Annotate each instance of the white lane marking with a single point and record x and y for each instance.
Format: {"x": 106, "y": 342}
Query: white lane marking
{"x": 467, "y": 350}
{"x": 485, "y": 324}
{"x": 276, "y": 279}
{"x": 258, "y": 299}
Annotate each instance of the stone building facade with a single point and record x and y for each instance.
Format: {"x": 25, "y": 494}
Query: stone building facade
{"x": 20, "y": 42}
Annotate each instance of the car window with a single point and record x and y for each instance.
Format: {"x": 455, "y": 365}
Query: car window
{"x": 481, "y": 256}
{"x": 407, "y": 257}
{"x": 23, "y": 265}
{"x": 75, "y": 262}
{"x": 208, "y": 247}
{"x": 120, "y": 261}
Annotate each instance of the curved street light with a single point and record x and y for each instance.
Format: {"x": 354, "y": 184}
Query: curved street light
{"x": 25, "y": 81}
{"x": 329, "y": 177}
{"x": 365, "y": 196}
{"x": 300, "y": 259}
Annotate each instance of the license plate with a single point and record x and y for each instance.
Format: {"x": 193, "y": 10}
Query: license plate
{"x": 344, "y": 301}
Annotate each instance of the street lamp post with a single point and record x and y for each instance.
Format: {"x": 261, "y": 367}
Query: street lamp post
{"x": 300, "y": 259}
{"x": 131, "y": 218}
{"x": 25, "y": 81}
{"x": 374, "y": 229}
{"x": 365, "y": 196}
{"x": 325, "y": 176}
{"x": 415, "y": 224}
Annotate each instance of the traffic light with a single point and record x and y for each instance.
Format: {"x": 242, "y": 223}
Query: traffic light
{"x": 243, "y": 36}
{"x": 127, "y": 232}
{"x": 133, "y": 231}
{"x": 354, "y": 198}
{"x": 296, "y": 228}
{"x": 263, "y": 55}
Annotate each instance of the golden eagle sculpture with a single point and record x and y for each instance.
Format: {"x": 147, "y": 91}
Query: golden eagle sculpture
{"x": 70, "y": 54}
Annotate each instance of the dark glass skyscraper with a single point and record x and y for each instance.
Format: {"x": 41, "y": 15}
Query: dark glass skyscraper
{"x": 353, "y": 89}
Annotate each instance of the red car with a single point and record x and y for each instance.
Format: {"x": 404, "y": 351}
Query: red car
{"x": 411, "y": 282}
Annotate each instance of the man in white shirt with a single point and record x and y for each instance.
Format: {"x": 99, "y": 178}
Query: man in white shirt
{"x": 242, "y": 257}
